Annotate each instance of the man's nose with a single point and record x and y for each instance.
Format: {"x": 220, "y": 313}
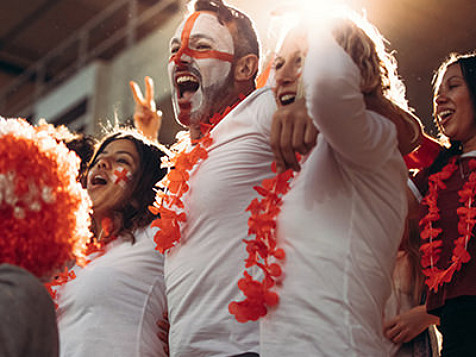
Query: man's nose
{"x": 181, "y": 57}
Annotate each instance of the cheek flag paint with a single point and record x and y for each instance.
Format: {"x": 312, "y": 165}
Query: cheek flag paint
{"x": 121, "y": 176}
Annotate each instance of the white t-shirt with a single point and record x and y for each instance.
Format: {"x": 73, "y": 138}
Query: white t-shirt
{"x": 341, "y": 222}
{"x": 112, "y": 306}
{"x": 202, "y": 272}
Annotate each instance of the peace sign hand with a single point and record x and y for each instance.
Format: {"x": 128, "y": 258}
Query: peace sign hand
{"x": 147, "y": 119}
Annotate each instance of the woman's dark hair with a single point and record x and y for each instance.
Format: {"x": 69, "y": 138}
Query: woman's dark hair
{"x": 83, "y": 146}
{"x": 468, "y": 67}
{"x": 444, "y": 156}
{"x": 467, "y": 62}
{"x": 133, "y": 213}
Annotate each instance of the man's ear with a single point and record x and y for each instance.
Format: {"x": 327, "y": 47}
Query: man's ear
{"x": 246, "y": 67}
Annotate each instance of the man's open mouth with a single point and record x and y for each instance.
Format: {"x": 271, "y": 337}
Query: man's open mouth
{"x": 186, "y": 85}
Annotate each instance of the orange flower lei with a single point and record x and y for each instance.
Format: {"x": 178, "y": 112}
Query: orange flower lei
{"x": 93, "y": 246}
{"x": 262, "y": 223}
{"x": 181, "y": 161}
{"x": 435, "y": 277}
{"x": 62, "y": 278}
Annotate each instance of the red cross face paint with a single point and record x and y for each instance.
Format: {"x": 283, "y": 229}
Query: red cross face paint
{"x": 121, "y": 176}
{"x": 200, "y": 66}
{"x": 111, "y": 175}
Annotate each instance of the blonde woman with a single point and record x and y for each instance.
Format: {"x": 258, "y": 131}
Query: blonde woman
{"x": 342, "y": 220}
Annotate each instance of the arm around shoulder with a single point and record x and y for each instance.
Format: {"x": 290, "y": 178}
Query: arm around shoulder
{"x": 337, "y": 106}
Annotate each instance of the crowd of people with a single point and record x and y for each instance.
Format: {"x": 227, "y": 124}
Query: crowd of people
{"x": 309, "y": 217}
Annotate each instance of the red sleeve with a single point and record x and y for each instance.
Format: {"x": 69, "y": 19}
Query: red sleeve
{"x": 424, "y": 155}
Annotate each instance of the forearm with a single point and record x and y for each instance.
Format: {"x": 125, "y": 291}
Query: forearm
{"x": 337, "y": 106}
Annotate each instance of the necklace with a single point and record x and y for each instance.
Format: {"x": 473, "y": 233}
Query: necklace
{"x": 262, "y": 249}
{"x": 431, "y": 246}
{"x": 168, "y": 205}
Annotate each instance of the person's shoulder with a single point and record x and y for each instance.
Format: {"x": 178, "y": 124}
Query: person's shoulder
{"x": 260, "y": 95}
{"x": 261, "y": 102}
{"x": 21, "y": 284}
{"x": 255, "y": 110}
{"x": 144, "y": 237}
{"x": 12, "y": 274}
{"x": 145, "y": 233}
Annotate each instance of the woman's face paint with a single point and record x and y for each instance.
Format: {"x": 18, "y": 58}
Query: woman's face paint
{"x": 121, "y": 176}
{"x": 202, "y": 53}
{"x": 111, "y": 175}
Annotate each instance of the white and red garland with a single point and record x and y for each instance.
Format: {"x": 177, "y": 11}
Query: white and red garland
{"x": 169, "y": 206}
{"x": 431, "y": 247}
{"x": 263, "y": 250}
{"x": 183, "y": 157}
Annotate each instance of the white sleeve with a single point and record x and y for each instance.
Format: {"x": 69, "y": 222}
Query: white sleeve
{"x": 265, "y": 107}
{"x": 334, "y": 101}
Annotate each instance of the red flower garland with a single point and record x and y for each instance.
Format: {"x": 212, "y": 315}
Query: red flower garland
{"x": 262, "y": 223}
{"x": 62, "y": 278}
{"x": 168, "y": 201}
{"x": 435, "y": 277}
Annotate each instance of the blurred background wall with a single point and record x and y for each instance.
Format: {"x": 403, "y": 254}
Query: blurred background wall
{"x": 70, "y": 61}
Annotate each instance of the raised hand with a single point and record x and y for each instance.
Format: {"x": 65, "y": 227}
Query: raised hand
{"x": 147, "y": 119}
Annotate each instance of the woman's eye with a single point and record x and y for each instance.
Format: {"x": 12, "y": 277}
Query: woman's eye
{"x": 278, "y": 65}
{"x": 123, "y": 161}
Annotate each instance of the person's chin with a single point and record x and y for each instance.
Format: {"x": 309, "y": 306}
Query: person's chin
{"x": 183, "y": 112}
{"x": 184, "y": 118}
{"x": 448, "y": 131}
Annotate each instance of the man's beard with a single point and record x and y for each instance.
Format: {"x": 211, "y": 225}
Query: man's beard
{"x": 215, "y": 100}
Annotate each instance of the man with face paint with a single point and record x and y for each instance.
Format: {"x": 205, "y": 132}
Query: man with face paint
{"x": 214, "y": 59}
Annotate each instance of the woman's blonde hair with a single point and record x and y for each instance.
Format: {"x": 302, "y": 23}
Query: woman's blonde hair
{"x": 382, "y": 87}
{"x": 366, "y": 46}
